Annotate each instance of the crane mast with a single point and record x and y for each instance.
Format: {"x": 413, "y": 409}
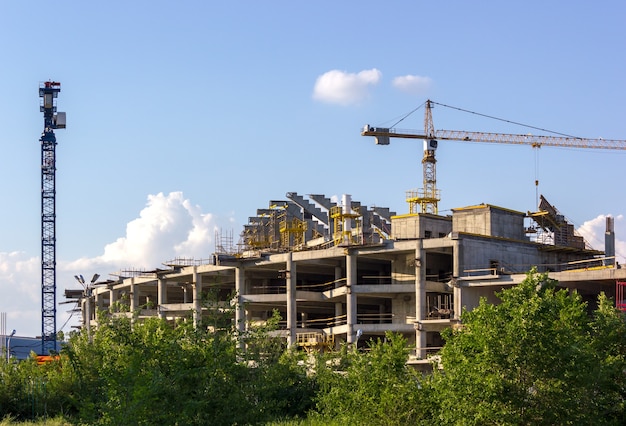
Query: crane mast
{"x": 428, "y": 196}
{"x": 48, "y": 92}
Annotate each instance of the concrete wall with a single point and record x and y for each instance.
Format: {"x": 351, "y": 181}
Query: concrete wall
{"x": 470, "y": 296}
{"x": 480, "y": 253}
{"x": 403, "y": 269}
{"x": 403, "y": 309}
{"x": 489, "y": 220}
{"x": 420, "y": 226}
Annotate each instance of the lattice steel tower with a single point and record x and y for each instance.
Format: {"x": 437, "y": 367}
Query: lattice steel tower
{"x": 48, "y": 93}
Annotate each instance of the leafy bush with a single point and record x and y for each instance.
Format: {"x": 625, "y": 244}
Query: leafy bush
{"x": 375, "y": 387}
{"x": 536, "y": 358}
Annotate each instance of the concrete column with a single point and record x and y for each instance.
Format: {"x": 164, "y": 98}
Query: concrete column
{"x": 292, "y": 311}
{"x": 134, "y": 296}
{"x": 351, "y": 301}
{"x": 456, "y": 272}
{"x": 338, "y": 305}
{"x": 458, "y": 300}
{"x": 185, "y": 293}
{"x": 240, "y": 313}
{"x": 420, "y": 298}
{"x": 161, "y": 296}
{"x": 99, "y": 300}
{"x": 197, "y": 297}
{"x": 112, "y": 298}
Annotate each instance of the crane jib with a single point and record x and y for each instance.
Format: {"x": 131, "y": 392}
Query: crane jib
{"x": 484, "y": 137}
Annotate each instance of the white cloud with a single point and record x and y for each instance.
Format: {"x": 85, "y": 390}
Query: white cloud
{"x": 20, "y": 292}
{"x": 413, "y": 84}
{"x": 343, "y": 88}
{"x": 593, "y": 231}
{"x": 169, "y": 226}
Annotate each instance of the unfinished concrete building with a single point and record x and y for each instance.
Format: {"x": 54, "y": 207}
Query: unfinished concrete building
{"x": 338, "y": 271}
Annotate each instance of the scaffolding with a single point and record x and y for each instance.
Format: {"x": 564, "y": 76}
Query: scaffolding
{"x": 292, "y": 231}
{"x": 553, "y": 228}
{"x": 347, "y": 225}
{"x": 315, "y": 342}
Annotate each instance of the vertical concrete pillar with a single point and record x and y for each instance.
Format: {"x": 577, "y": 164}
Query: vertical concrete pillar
{"x": 161, "y": 296}
{"x": 351, "y": 301}
{"x": 458, "y": 300}
{"x": 240, "y": 313}
{"x": 292, "y": 319}
{"x": 185, "y": 293}
{"x": 338, "y": 283}
{"x": 134, "y": 296}
{"x": 99, "y": 300}
{"x": 197, "y": 297}
{"x": 112, "y": 297}
{"x": 456, "y": 273}
{"x": 420, "y": 298}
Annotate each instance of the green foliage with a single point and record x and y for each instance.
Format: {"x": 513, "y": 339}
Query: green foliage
{"x": 28, "y": 390}
{"x": 150, "y": 372}
{"x": 57, "y": 421}
{"x": 375, "y": 387}
{"x": 536, "y": 358}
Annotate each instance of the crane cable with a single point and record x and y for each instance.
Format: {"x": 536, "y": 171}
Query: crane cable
{"x": 508, "y": 121}
{"x": 406, "y": 115}
{"x": 536, "y": 148}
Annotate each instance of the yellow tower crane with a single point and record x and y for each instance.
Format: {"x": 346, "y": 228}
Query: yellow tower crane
{"x": 427, "y": 198}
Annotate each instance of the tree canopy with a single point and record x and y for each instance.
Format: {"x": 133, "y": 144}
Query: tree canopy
{"x": 539, "y": 357}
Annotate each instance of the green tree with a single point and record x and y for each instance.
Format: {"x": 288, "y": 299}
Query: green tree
{"x": 536, "y": 358}
{"x": 29, "y": 390}
{"x": 375, "y": 387}
{"x": 155, "y": 372}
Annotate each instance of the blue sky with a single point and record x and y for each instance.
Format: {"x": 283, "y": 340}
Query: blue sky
{"x": 185, "y": 117}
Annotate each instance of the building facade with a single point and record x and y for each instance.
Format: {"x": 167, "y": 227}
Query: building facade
{"x": 337, "y": 271}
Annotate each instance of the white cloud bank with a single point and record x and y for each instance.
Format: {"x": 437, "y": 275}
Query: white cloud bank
{"x": 413, "y": 84}
{"x": 169, "y": 227}
{"x": 593, "y": 231}
{"x": 343, "y": 88}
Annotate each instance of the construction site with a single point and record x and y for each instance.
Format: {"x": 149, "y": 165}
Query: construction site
{"x": 340, "y": 272}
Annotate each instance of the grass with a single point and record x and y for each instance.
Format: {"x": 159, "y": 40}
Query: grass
{"x": 315, "y": 421}
{"x": 9, "y": 421}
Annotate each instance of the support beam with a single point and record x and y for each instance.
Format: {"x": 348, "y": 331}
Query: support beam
{"x": 161, "y": 296}
{"x": 240, "y": 312}
{"x": 420, "y": 298}
{"x": 338, "y": 283}
{"x": 197, "y": 297}
{"x": 351, "y": 301}
{"x": 456, "y": 272}
{"x": 134, "y": 296}
{"x": 290, "y": 281}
